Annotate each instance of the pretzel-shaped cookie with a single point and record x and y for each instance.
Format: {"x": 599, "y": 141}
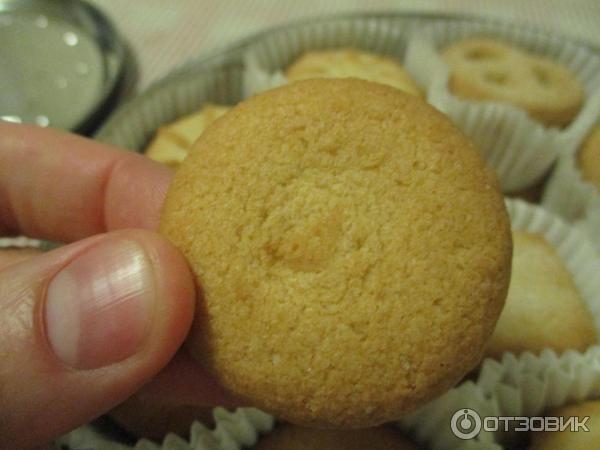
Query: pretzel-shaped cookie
{"x": 487, "y": 69}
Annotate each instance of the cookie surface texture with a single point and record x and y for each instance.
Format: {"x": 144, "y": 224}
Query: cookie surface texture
{"x": 351, "y": 249}
{"x": 488, "y": 69}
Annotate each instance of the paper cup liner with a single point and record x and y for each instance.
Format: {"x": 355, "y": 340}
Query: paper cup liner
{"x": 567, "y": 193}
{"x": 267, "y": 58}
{"x": 232, "y": 431}
{"x": 529, "y": 385}
{"x": 214, "y": 80}
{"x": 519, "y": 148}
{"x": 21, "y": 242}
{"x": 431, "y": 425}
{"x": 590, "y": 223}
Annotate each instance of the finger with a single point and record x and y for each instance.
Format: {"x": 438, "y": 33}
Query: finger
{"x": 85, "y": 326}
{"x": 10, "y": 256}
{"x": 62, "y": 187}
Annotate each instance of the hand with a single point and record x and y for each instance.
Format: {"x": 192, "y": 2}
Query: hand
{"x": 84, "y": 326}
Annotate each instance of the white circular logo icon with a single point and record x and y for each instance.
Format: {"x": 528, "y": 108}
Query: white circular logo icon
{"x": 465, "y": 424}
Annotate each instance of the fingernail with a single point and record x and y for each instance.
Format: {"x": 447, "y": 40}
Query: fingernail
{"x": 98, "y": 308}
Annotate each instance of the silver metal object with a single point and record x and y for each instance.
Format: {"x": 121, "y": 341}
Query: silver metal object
{"x": 61, "y": 63}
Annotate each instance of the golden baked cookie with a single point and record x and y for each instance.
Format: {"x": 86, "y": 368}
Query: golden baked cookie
{"x": 291, "y": 437}
{"x": 543, "y": 308}
{"x": 146, "y": 417}
{"x": 351, "y": 248}
{"x": 349, "y": 63}
{"x": 571, "y": 440}
{"x": 489, "y": 69}
{"x": 589, "y": 157}
{"x": 171, "y": 144}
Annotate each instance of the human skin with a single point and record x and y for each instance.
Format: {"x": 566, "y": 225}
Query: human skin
{"x": 85, "y": 326}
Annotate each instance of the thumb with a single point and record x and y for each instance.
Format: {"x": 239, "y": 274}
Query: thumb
{"x": 85, "y": 326}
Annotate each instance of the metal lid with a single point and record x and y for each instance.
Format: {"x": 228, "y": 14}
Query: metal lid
{"x": 61, "y": 63}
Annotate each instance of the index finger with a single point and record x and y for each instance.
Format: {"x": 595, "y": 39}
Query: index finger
{"x": 62, "y": 187}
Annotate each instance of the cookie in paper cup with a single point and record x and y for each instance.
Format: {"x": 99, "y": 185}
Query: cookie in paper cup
{"x": 528, "y": 384}
{"x": 572, "y": 245}
{"x": 509, "y": 386}
{"x": 369, "y": 48}
{"x": 518, "y": 147}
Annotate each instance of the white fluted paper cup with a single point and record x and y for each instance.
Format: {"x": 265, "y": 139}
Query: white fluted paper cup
{"x": 232, "y": 431}
{"x": 20, "y": 242}
{"x": 567, "y": 192}
{"x": 436, "y": 424}
{"x": 267, "y": 58}
{"x": 215, "y": 79}
{"x": 528, "y": 385}
{"x": 590, "y": 222}
{"x": 519, "y": 148}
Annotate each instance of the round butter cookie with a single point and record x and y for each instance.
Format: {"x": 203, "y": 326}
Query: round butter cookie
{"x": 352, "y": 251}
{"x": 488, "y": 69}
{"x": 290, "y": 437}
{"x": 347, "y": 63}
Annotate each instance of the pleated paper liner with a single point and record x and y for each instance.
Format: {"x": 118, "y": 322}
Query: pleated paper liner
{"x": 232, "y": 431}
{"x": 590, "y": 222}
{"x": 431, "y": 425}
{"x": 267, "y": 57}
{"x": 21, "y": 242}
{"x": 519, "y": 148}
{"x": 530, "y": 385}
{"x": 573, "y": 246}
{"x": 217, "y": 79}
{"x": 567, "y": 193}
